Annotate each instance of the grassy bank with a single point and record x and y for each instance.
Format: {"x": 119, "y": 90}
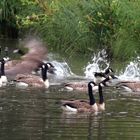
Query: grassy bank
{"x": 83, "y": 26}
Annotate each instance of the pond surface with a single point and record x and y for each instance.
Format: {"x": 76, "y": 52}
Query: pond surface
{"x": 36, "y": 114}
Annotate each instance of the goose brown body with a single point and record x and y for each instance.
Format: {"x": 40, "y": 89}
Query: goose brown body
{"x": 79, "y": 86}
{"x": 130, "y": 85}
{"x": 33, "y": 80}
{"x": 80, "y": 106}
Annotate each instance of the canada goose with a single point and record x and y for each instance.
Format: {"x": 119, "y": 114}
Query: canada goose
{"x": 28, "y": 80}
{"x": 84, "y": 105}
{"x": 82, "y": 85}
{"x": 3, "y": 78}
{"x": 100, "y": 76}
{"x": 29, "y": 61}
{"x": 130, "y": 85}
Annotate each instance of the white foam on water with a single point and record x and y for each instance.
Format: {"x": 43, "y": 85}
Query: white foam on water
{"x": 132, "y": 71}
{"x": 98, "y": 64}
{"x": 62, "y": 68}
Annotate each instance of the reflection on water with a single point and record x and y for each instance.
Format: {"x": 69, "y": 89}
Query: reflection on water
{"x": 36, "y": 114}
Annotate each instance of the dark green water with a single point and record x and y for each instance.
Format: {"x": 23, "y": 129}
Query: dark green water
{"x": 35, "y": 114}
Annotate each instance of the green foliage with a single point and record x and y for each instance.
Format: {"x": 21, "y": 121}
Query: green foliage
{"x": 8, "y": 10}
{"x": 83, "y": 26}
{"x": 16, "y": 15}
{"x": 127, "y": 40}
{"x": 103, "y": 21}
{"x": 66, "y": 29}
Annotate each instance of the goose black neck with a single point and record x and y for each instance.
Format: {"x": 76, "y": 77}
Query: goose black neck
{"x": 104, "y": 81}
{"x": 2, "y": 69}
{"x": 90, "y": 92}
{"x": 44, "y": 73}
{"x": 99, "y": 74}
{"x": 101, "y": 99}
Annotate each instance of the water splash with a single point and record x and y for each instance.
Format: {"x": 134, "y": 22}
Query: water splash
{"x": 62, "y": 68}
{"x": 99, "y": 63}
{"x": 132, "y": 71}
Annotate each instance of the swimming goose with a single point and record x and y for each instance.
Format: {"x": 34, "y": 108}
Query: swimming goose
{"x": 82, "y": 85}
{"x": 28, "y": 80}
{"x": 84, "y": 105}
{"x": 100, "y": 76}
{"x": 130, "y": 85}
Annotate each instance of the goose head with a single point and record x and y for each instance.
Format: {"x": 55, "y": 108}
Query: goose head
{"x": 109, "y": 71}
{"x": 100, "y": 76}
{"x": 51, "y": 68}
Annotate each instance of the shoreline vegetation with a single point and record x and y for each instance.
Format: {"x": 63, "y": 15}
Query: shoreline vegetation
{"x": 76, "y": 26}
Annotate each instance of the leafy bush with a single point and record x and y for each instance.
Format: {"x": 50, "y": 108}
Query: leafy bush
{"x": 81, "y": 26}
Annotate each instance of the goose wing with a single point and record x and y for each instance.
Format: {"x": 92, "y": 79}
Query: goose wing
{"x": 81, "y": 86}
